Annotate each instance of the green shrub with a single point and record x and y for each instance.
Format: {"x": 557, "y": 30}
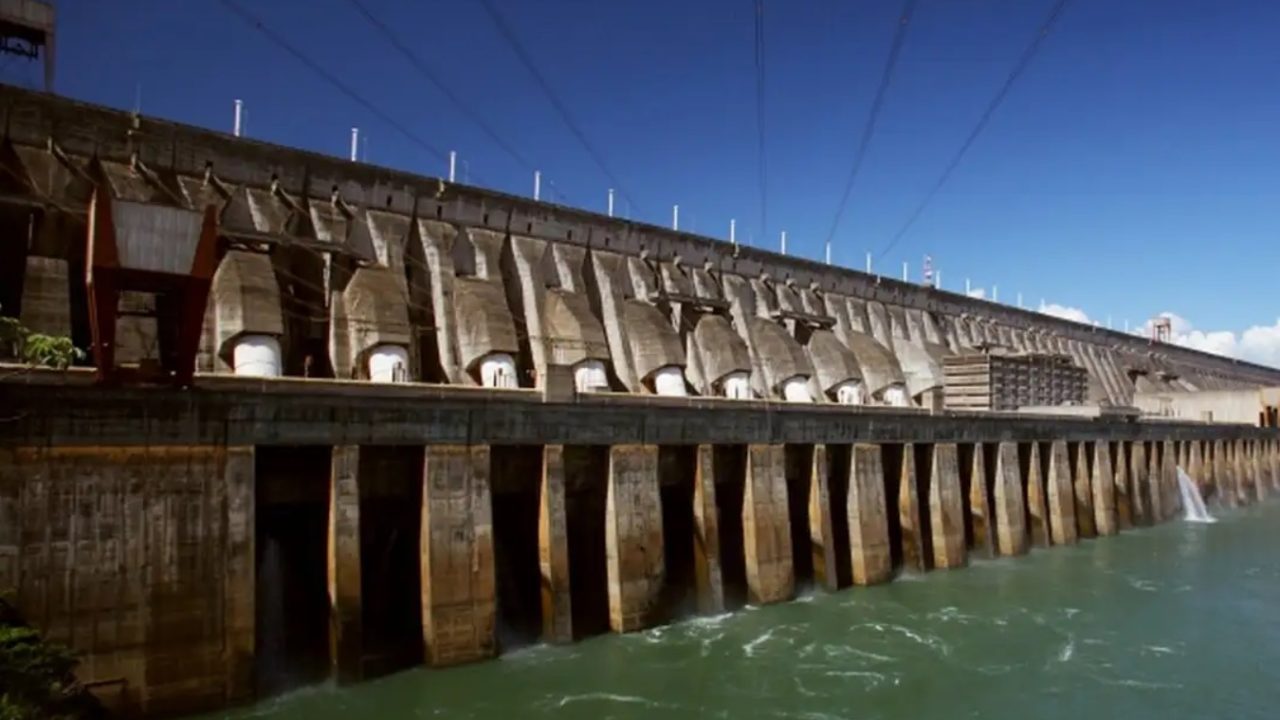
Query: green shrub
{"x": 37, "y": 679}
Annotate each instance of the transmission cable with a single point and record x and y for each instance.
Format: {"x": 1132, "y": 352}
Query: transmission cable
{"x": 420, "y": 65}
{"x": 873, "y": 115}
{"x": 1023, "y": 61}
{"x": 329, "y": 77}
{"x": 764, "y": 187}
{"x": 509, "y": 35}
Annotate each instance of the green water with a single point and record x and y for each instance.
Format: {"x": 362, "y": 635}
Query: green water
{"x": 1179, "y": 621}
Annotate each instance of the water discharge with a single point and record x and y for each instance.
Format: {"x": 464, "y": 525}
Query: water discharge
{"x": 1165, "y": 623}
{"x": 1193, "y": 509}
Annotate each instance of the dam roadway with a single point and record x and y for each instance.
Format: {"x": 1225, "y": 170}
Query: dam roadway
{"x": 429, "y": 422}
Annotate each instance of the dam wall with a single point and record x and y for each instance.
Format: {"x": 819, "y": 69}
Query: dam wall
{"x": 343, "y": 269}
{"x": 432, "y": 423}
{"x": 208, "y": 546}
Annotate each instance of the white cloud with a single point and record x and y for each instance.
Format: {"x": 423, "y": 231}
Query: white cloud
{"x": 1260, "y": 343}
{"x": 1066, "y": 313}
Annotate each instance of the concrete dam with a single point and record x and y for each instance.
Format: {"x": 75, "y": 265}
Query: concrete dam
{"x": 337, "y": 420}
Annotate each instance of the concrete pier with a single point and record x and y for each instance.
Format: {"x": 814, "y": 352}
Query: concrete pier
{"x": 766, "y": 527}
{"x": 1061, "y": 495}
{"x": 458, "y": 585}
{"x": 345, "y": 640}
{"x": 1124, "y": 487}
{"x": 868, "y": 524}
{"x": 981, "y": 514}
{"x": 1086, "y": 516}
{"x": 1011, "y": 512}
{"x": 1039, "y": 524}
{"x": 706, "y": 543}
{"x": 1102, "y": 481}
{"x": 633, "y": 536}
{"x": 946, "y": 507}
{"x": 822, "y": 533}
{"x": 553, "y": 549}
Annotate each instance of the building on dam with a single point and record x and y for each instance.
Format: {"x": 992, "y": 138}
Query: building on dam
{"x": 338, "y": 420}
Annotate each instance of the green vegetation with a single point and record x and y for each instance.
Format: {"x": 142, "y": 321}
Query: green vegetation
{"x": 36, "y": 348}
{"x": 36, "y": 677}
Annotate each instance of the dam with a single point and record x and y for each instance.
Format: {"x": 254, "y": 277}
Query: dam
{"x": 337, "y": 420}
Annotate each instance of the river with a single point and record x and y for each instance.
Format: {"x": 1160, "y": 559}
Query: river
{"x": 1177, "y": 621}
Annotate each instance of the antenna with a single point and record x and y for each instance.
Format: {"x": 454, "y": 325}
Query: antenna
{"x": 784, "y": 242}
{"x": 235, "y": 128}
{"x": 905, "y": 274}
{"x": 675, "y": 217}
{"x": 355, "y": 142}
{"x": 733, "y": 233}
{"x": 453, "y": 164}
{"x": 537, "y": 184}
{"x": 868, "y": 263}
{"x": 610, "y": 202}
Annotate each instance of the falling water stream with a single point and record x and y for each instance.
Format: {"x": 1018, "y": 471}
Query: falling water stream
{"x": 1193, "y": 509}
{"x": 1164, "y": 623}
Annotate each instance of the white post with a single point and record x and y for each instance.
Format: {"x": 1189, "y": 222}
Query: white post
{"x": 967, "y": 286}
{"x": 905, "y": 275}
{"x": 784, "y": 242}
{"x": 937, "y": 279}
{"x": 868, "y": 263}
{"x": 537, "y": 184}
{"x": 995, "y": 294}
{"x": 828, "y": 253}
{"x": 675, "y": 217}
{"x": 235, "y": 130}
{"x": 1019, "y": 299}
{"x": 355, "y": 143}
{"x": 1126, "y": 325}
{"x": 610, "y": 202}
{"x": 733, "y": 233}
{"x": 453, "y": 164}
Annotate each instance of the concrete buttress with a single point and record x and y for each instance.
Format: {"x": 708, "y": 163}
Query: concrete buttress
{"x": 821, "y": 535}
{"x": 1011, "y": 509}
{"x": 1061, "y": 495}
{"x": 345, "y": 637}
{"x": 868, "y": 517}
{"x": 1104, "y": 489}
{"x": 766, "y": 526}
{"x": 946, "y": 507}
{"x": 553, "y": 549}
{"x": 980, "y": 505}
{"x": 633, "y": 536}
{"x": 456, "y": 555}
{"x": 706, "y": 539}
{"x": 1224, "y": 488}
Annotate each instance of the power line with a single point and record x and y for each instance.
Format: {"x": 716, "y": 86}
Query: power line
{"x": 764, "y": 186}
{"x": 431, "y": 77}
{"x": 1023, "y": 61}
{"x": 342, "y": 87}
{"x": 873, "y": 116}
{"x": 509, "y": 35}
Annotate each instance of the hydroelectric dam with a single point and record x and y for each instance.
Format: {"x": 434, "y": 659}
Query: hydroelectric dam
{"x": 336, "y": 420}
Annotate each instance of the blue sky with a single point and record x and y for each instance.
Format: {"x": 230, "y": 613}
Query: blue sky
{"x": 1134, "y": 168}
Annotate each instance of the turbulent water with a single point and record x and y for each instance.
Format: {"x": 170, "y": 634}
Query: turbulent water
{"x": 1179, "y": 621}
